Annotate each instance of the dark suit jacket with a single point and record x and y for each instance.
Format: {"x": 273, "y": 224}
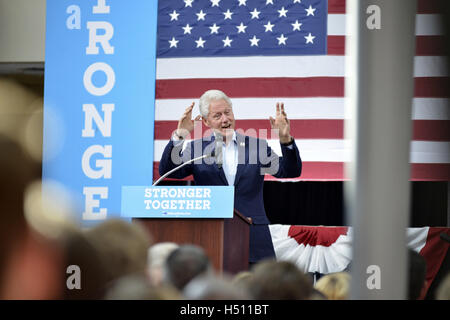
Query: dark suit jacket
{"x": 255, "y": 158}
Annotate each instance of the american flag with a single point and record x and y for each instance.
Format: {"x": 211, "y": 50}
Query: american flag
{"x": 253, "y": 51}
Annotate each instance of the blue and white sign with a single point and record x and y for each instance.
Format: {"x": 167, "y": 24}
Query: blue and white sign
{"x": 178, "y": 202}
{"x": 99, "y": 100}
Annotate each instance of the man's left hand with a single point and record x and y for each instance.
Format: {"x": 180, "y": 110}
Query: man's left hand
{"x": 281, "y": 122}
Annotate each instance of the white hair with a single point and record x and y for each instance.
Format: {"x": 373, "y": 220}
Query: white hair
{"x": 211, "y": 95}
{"x": 158, "y": 253}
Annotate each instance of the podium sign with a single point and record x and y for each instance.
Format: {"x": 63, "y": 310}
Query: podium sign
{"x": 177, "y": 202}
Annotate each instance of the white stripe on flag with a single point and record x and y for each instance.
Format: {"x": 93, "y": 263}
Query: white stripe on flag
{"x": 260, "y": 108}
{"x": 249, "y": 67}
{"x": 297, "y": 108}
{"x": 426, "y": 25}
{"x": 277, "y": 66}
{"x": 334, "y": 150}
{"x": 431, "y": 109}
{"x": 430, "y": 66}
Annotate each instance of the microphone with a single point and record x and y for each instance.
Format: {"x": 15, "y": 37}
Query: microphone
{"x": 218, "y": 150}
{"x": 208, "y": 155}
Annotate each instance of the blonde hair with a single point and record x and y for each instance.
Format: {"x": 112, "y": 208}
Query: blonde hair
{"x": 335, "y": 286}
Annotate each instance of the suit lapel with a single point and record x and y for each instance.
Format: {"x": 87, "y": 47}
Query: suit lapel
{"x": 242, "y": 156}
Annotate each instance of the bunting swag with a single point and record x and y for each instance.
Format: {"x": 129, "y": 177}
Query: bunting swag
{"x": 329, "y": 249}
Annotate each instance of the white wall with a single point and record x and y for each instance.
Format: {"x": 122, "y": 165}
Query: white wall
{"x": 22, "y": 31}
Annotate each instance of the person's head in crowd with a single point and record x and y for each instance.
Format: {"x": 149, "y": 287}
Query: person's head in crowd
{"x": 443, "y": 290}
{"x": 136, "y": 287}
{"x": 210, "y": 287}
{"x": 123, "y": 247}
{"x": 28, "y": 261}
{"x": 334, "y": 286}
{"x": 417, "y": 269}
{"x": 83, "y": 271}
{"x": 317, "y": 295}
{"x": 279, "y": 280}
{"x": 242, "y": 279}
{"x": 184, "y": 264}
{"x": 157, "y": 255}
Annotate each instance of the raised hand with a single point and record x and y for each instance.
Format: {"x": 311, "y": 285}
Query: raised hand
{"x": 186, "y": 124}
{"x": 281, "y": 122}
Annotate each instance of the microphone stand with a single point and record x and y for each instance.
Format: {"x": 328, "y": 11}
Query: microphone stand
{"x": 181, "y": 166}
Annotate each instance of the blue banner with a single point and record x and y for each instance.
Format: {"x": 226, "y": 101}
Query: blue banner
{"x": 99, "y": 100}
{"x": 178, "y": 202}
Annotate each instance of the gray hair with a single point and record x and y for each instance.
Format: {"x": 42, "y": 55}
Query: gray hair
{"x": 184, "y": 264}
{"x": 211, "y": 95}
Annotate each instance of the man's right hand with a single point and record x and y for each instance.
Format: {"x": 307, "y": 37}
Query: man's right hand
{"x": 186, "y": 124}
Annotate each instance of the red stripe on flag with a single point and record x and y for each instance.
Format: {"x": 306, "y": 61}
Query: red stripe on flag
{"x": 425, "y": 45}
{"x": 312, "y": 171}
{"x": 430, "y": 171}
{"x": 424, "y": 130}
{"x": 431, "y": 45}
{"x": 319, "y": 171}
{"x": 431, "y": 130}
{"x": 300, "y": 129}
{"x": 423, "y": 6}
{"x": 334, "y": 171}
{"x": 336, "y": 45}
{"x": 431, "y": 87}
{"x": 429, "y": 6}
{"x": 427, "y": 87}
{"x": 252, "y": 87}
{"x": 336, "y": 6}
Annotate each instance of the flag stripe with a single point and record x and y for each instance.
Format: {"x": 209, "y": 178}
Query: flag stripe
{"x": 431, "y": 45}
{"x": 423, "y": 6}
{"x": 432, "y": 87}
{"x": 429, "y": 6}
{"x": 336, "y": 6}
{"x": 426, "y": 25}
{"x": 260, "y": 66}
{"x": 425, "y": 45}
{"x": 431, "y": 130}
{"x": 425, "y": 130}
{"x": 430, "y": 172}
{"x": 334, "y": 171}
{"x": 253, "y": 87}
{"x": 286, "y": 67}
{"x": 338, "y": 150}
{"x": 298, "y": 108}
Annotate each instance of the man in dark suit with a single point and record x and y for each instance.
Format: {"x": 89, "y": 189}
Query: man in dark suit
{"x": 240, "y": 160}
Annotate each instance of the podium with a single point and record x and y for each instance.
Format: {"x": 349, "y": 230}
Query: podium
{"x": 225, "y": 240}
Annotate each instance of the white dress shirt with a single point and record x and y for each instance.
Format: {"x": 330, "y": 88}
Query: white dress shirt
{"x": 230, "y": 159}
